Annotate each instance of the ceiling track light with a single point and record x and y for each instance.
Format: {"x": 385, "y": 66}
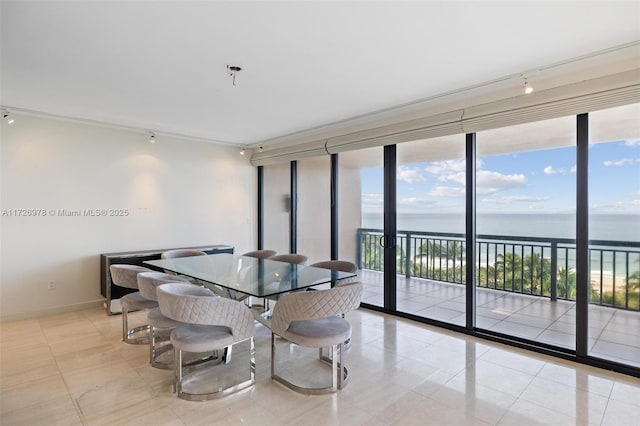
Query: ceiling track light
{"x": 152, "y": 137}
{"x": 527, "y": 88}
{"x": 7, "y": 117}
{"x": 242, "y": 151}
{"x": 232, "y": 70}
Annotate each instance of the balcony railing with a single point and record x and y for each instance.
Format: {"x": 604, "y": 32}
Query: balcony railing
{"x": 542, "y": 267}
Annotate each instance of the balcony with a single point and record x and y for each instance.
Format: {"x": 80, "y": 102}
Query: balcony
{"x": 526, "y": 286}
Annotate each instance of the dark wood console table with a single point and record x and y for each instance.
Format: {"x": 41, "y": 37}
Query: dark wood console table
{"x": 113, "y": 293}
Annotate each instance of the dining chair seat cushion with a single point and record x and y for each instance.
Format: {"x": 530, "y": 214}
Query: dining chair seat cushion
{"x": 136, "y": 302}
{"x": 157, "y": 320}
{"x": 318, "y": 333}
{"x": 201, "y": 338}
{"x": 148, "y": 281}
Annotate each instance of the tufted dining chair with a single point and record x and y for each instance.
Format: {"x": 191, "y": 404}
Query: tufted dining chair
{"x": 159, "y": 325}
{"x": 293, "y": 258}
{"x": 127, "y": 276}
{"x": 260, "y": 254}
{"x": 296, "y": 259}
{"x": 211, "y": 324}
{"x": 174, "y": 254}
{"x": 339, "y": 265}
{"x": 312, "y": 319}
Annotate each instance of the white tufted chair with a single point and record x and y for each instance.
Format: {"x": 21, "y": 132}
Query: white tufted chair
{"x": 212, "y": 324}
{"x": 312, "y": 319}
{"x": 344, "y": 266}
{"x": 293, "y": 258}
{"x": 296, "y": 259}
{"x": 159, "y": 325}
{"x": 127, "y": 276}
{"x": 261, "y": 254}
{"x": 174, "y": 254}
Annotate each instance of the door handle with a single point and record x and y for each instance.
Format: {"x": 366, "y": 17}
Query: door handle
{"x": 383, "y": 241}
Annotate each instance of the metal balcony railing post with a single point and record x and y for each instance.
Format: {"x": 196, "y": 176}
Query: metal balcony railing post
{"x": 554, "y": 271}
{"x": 407, "y": 256}
{"x": 359, "y": 249}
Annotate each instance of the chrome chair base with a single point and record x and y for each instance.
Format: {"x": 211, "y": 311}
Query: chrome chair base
{"x": 339, "y": 372}
{"x": 183, "y": 370}
{"x": 132, "y": 336}
{"x": 158, "y": 346}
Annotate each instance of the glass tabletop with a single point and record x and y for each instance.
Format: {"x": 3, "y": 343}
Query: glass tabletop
{"x": 248, "y": 275}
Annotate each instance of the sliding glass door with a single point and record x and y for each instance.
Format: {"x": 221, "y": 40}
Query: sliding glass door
{"x": 361, "y": 218}
{"x": 526, "y": 229}
{"x": 614, "y": 233}
{"x": 430, "y": 200}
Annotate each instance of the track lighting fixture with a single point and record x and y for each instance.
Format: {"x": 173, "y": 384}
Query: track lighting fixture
{"x": 152, "y": 137}
{"x": 527, "y": 87}
{"x": 6, "y": 117}
{"x": 232, "y": 70}
{"x": 242, "y": 151}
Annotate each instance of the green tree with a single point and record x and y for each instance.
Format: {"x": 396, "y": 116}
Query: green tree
{"x": 509, "y": 266}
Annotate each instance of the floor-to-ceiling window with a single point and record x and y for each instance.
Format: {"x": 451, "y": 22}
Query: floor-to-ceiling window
{"x": 614, "y": 232}
{"x": 530, "y": 239}
{"x": 314, "y": 208}
{"x": 276, "y": 207}
{"x": 361, "y": 210}
{"x": 525, "y": 197}
{"x": 430, "y": 199}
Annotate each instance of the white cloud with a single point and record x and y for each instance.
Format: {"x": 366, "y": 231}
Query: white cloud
{"x": 454, "y": 177}
{"x": 574, "y": 168}
{"x": 446, "y": 167}
{"x": 632, "y": 142}
{"x": 409, "y": 175}
{"x": 447, "y": 191}
{"x": 621, "y": 162}
{"x": 450, "y": 166}
{"x": 488, "y": 182}
{"x": 635, "y": 202}
{"x": 549, "y": 170}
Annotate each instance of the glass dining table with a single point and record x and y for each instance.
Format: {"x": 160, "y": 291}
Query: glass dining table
{"x": 242, "y": 276}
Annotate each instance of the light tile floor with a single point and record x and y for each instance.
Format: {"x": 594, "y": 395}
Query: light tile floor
{"x": 614, "y": 334}
{"x": 73, "y": 369}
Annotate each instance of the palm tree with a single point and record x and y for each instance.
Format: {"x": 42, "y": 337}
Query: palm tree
{"x": 509, "y": 266}
{"x": 567, "y": 283}
{"x": 537, "y": 274}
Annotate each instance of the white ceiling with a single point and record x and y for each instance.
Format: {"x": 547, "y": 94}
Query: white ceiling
{"x": 161, "y": 65}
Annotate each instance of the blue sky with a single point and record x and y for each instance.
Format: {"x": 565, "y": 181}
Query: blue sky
{"x": 526, "y": 182}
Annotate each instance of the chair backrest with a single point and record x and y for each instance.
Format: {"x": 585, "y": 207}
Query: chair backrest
{"x": 308, "y": 305}
{"x": 261, "y": 254}
{"x": 196, "y": 305}
{"x": 174, "y": 254}
{"x": 338, "y": 265}
{"x": 124, "y": 275}
{"x": 149, "y": 281}
{"x": 296, "y": 259}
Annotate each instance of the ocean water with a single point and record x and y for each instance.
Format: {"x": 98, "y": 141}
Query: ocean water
{"x": 608, "y": 227}
{"x": 613, "y": 227}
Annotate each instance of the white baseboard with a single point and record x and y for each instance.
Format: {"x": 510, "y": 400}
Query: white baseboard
{"x": 52, "y": 311}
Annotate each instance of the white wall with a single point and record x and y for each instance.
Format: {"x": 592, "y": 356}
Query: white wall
{"x": 177, "y": 193}
{"x": 314, "y": 208}
{"x": 277, "y": 187}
